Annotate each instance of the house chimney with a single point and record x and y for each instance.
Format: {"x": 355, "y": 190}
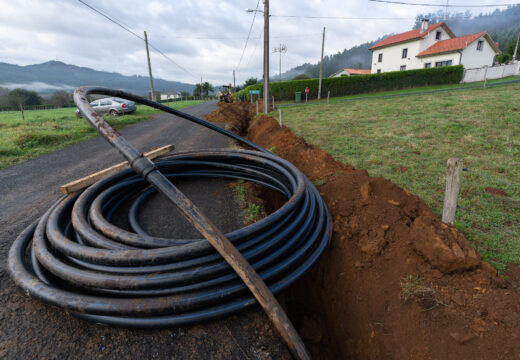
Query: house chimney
{"x": 424, "y": 25}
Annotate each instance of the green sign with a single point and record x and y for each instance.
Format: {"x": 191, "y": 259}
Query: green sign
{"x": 255, "y": 92}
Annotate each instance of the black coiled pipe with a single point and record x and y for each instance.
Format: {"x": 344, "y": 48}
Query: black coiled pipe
{"x": 75, "y": 258}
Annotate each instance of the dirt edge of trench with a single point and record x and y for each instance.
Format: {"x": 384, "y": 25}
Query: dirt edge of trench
{"x": 395, "y": 283}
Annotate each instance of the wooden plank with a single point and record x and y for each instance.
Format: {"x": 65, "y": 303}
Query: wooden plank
{"x": 452, "y": 190}
{"x": 92, "y": 178}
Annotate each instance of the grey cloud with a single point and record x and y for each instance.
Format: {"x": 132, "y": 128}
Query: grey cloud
{"x": 35, "y": 31}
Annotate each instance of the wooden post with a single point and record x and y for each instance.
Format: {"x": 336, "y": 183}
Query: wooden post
{"x": 23, "y": 116}
{"x": 485, "y": 77}
{"x": 92, "y": 178}
{"x": 454, "y": 167}
{"x": 256, "y": 107}
{"x": 328, "y": 96}
{"x": 273, "y": 103}
{"x": 280, "y": 115}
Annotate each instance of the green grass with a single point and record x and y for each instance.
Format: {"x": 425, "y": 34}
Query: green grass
{"x": 44, "y": 131}
{"x": 408, "y": 140}
{"x": 405, "y": 91}
{"x": 252, "y": 212}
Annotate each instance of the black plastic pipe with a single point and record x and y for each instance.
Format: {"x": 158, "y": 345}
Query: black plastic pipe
{"x": 73, "y": 257}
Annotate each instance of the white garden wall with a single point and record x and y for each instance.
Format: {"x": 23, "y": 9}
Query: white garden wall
{"x": 491, "y": 72}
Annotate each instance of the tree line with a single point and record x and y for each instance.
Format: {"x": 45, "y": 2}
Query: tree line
{"x": 17, "y": 97}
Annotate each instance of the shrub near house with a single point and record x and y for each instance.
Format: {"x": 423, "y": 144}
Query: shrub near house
{"x": 349, "y": 85}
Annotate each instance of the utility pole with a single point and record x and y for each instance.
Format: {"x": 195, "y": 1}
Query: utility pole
{"x": 281, "y": 49}
{"x": 234, "y": 85}
{"x": 321, "y": 63}
{"x": 201, "y": 87}
{"x": 266, "y": 56}
{"x": 149, "y": 66}
{"x": 516, "y": 46}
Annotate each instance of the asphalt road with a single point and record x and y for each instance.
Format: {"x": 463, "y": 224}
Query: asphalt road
{"x": 32, "y": 330}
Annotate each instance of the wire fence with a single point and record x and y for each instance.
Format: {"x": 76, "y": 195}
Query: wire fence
{"x": 5, "y": 109}
{"x": 31, "y": 108}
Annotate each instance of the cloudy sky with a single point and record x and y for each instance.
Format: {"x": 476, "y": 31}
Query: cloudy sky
{"x": 204, "y": 37}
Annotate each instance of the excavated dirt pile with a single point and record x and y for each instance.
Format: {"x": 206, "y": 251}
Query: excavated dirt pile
{"x": 395, "y": 283}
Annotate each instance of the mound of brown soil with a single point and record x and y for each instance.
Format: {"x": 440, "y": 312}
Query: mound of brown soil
{"x": 235, "y": 115}
{"x": 396, "y": 283}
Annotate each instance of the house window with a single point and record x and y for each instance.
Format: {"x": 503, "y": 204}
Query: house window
{"x": 378, "y": 71}
{"x": 443, "y": 63}
{"x": 480, "y": 45}
{"x": 380, "y": 57}
{"x": 402, "y": 68}
{"x": 405, "y": 53}
{"x": 427, "y": 65}
{"x": 438, "y": 35}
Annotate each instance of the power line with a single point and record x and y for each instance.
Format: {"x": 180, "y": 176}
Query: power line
{"x": 248, "y": 35}
{"x": 134, "y": 34}
{"x": 254, "y": 50}
{"x": 204, "y": 37}
{"x": 342, "y": 17}
{"x": 444, "y": 5}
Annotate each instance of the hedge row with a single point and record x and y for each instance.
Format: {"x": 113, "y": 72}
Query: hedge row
{"x": 358, "y": 84}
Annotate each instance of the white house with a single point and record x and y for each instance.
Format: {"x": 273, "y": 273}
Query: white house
{"x": 170, "y": 95}
{"x": 432, "y": 46}
{"x": 350, "y": 72}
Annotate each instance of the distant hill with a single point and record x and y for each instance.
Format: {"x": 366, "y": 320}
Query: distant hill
{"x": 55, "y": 75}
{"x": 502, "y": 25}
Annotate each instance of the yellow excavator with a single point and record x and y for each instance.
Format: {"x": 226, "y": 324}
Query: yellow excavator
{"x": 225, "y": 94}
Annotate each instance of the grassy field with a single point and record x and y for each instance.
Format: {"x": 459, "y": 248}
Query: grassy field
{"x": 44, "y": 131}
{"x": 408, "y": 140}
{"x": 405, "y": 91}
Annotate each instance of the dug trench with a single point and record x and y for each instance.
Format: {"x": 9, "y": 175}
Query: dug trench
{"x": 395, "y": 282}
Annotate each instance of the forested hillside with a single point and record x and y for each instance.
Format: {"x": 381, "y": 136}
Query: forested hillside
{"x": 54, "y": 75}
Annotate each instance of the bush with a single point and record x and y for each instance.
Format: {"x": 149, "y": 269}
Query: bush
{"x": 358, "y": 84}
{"x": 504, "y": 58}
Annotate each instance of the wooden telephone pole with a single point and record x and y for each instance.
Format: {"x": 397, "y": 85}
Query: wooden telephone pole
{"x": 266, "y": 56}
{"x": 149, "y": 66}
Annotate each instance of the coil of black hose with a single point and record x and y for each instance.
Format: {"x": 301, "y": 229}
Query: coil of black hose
{"x": 75, "y": 258}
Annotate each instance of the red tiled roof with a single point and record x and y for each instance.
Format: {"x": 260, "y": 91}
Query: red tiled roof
{"x": 450, "y": 45}
{"x": 410, "y": 35}
{"x": 357, "y": 71}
